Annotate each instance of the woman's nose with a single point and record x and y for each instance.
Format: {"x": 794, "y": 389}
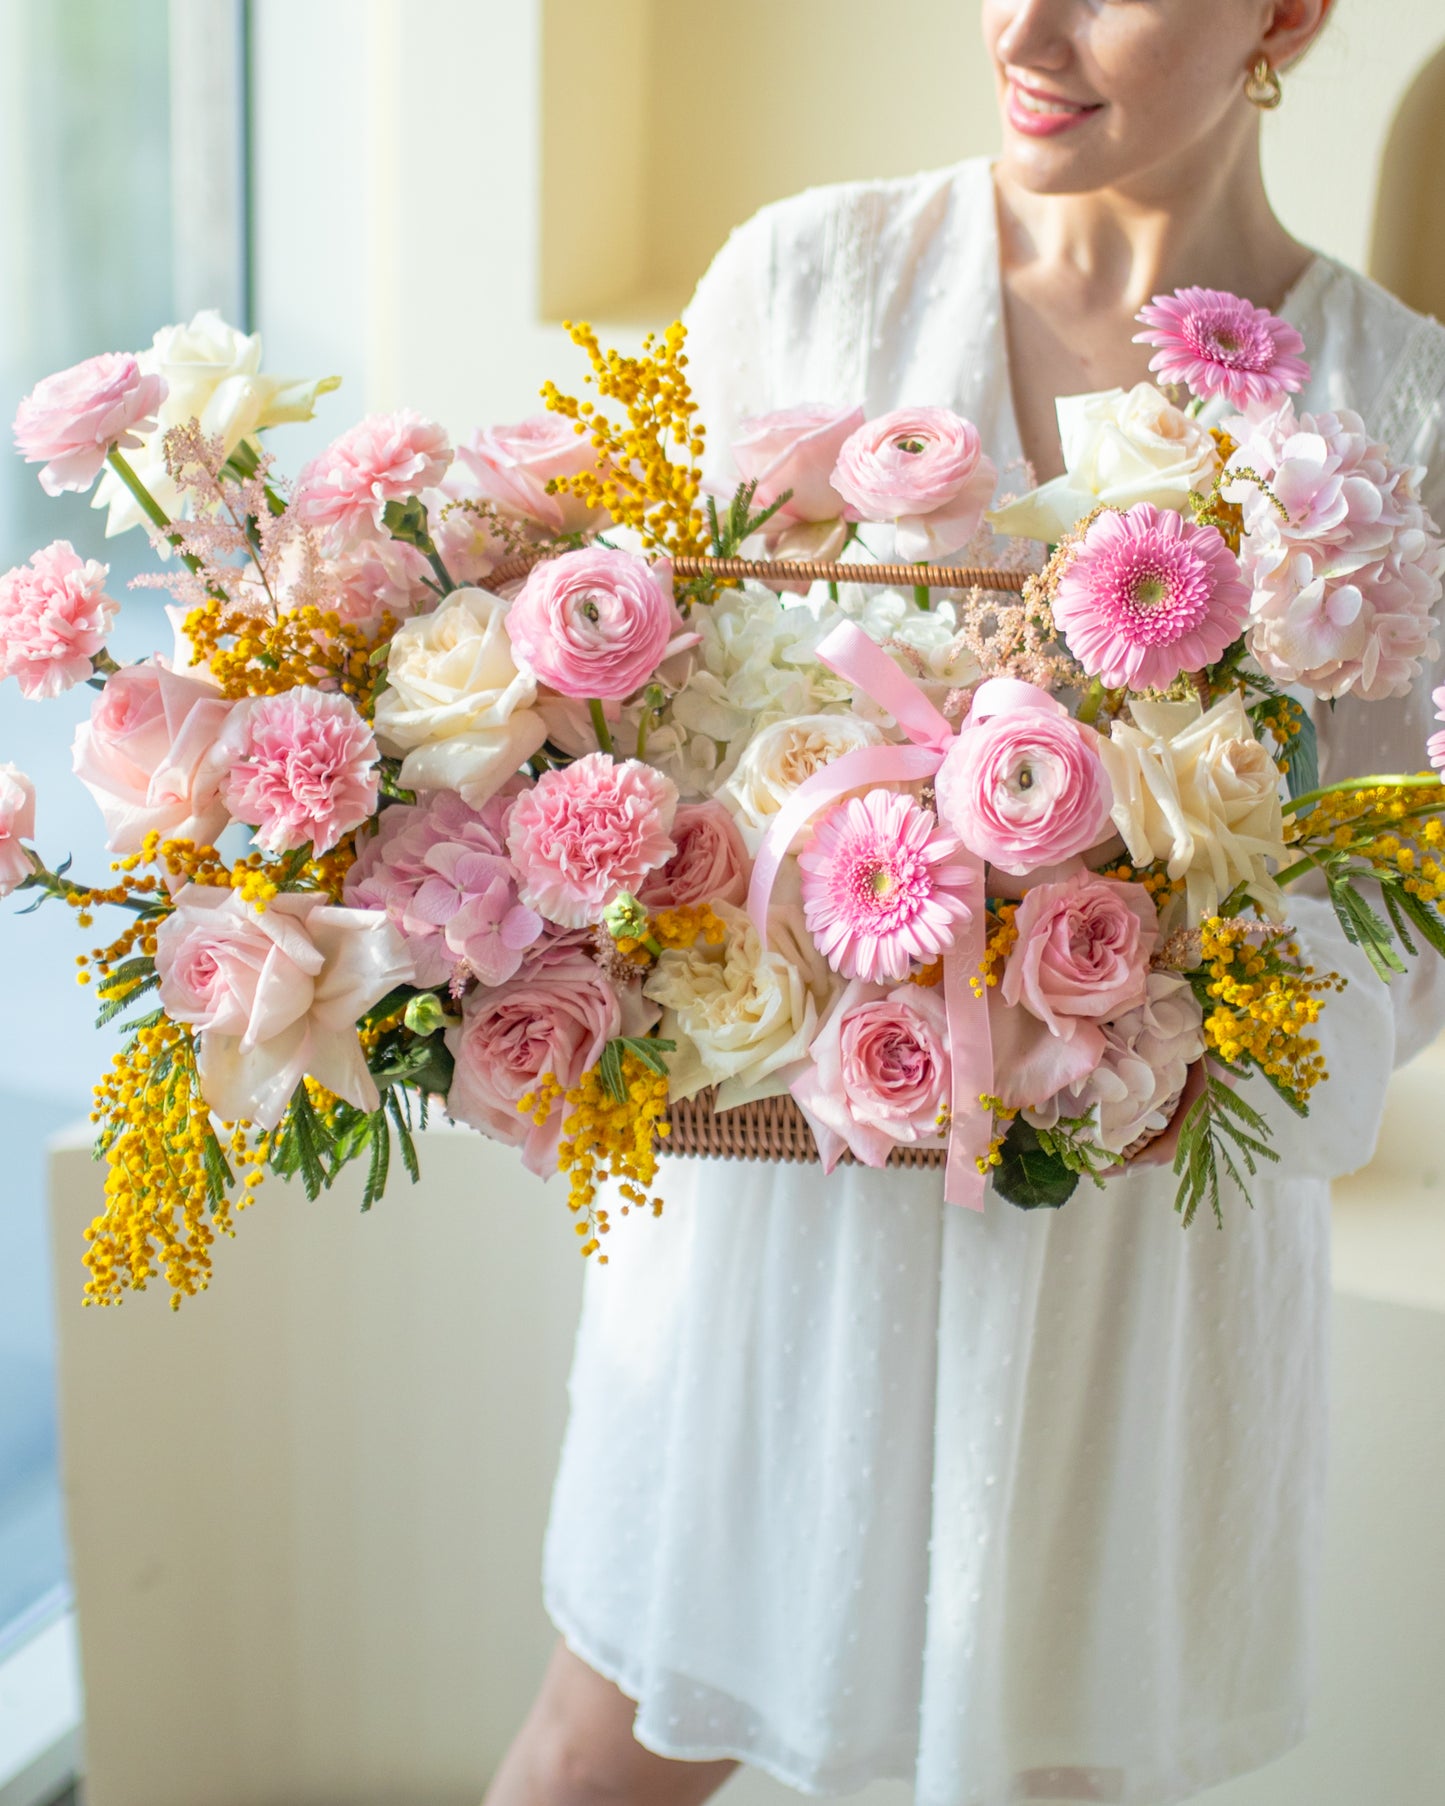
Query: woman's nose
{"x": 1038, "y": 34}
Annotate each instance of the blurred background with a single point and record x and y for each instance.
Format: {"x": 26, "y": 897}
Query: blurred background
{"x": 302, "y": 1521}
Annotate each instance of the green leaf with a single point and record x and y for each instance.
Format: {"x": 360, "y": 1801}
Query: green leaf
{"x": 649, "y": 1049}
{"x": 111, "y": 1007}
{"x": 1364, "y": 926}
{"x": 380, "y": 1161}
{"x": 1424, "y": 915}
{"x": 401, "y": 1115}
{"x": 1028, "y": 1175}
{"x": 1302, "y": 767}
{"x": 219, "y": 1177}
{"x": 609, "y": 1070}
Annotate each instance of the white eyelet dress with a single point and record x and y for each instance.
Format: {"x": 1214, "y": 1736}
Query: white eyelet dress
{"x": 1020, "y": 1505}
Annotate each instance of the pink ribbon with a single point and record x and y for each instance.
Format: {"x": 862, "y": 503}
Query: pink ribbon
{"x": 848, "y": 651}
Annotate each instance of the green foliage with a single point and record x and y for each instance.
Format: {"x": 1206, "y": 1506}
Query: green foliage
{"x": 1219, "y": 1125}
{"x": 1364, "y": 926}
{"x": 647, "y": 1048}
{"x": 1030, "y": 1175}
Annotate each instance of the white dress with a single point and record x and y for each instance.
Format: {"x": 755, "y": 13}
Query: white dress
{"x": 1018, "y": 1506}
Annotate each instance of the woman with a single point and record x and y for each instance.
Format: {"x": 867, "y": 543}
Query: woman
{"x": 1020, "y": 1506}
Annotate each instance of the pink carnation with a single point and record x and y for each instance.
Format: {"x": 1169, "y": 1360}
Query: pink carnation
{"x": 555, "y": 1016}
{"x": 1345, "y": 581}
{"x": 17, "y": 824}
{"x": 710, "y": 865}
{"x": 384, "y": 458}
{"x": 595, "y": 623}
{"x": 1147, "y": 596}
{"x": 1082, "y": 953}
{"x": 299, "y": 767}
{"x": 511, "y": 466}
{"x": 585, "y": 832}
{"x": 69, "y": 421}
{"x": 383, "y": 577}
{"x": 879, "y": 1073}
{"x": 923, "y": 469}
{"x": 880, "y": 887}
{"x": 54, "y": 618}
{"x": 1217, "y": 344}
{"x": 440, "y": 871}
{"x": 1435, "y": 746}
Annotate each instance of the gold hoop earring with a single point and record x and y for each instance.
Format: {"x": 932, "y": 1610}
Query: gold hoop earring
{"x": 1262, "y": 86}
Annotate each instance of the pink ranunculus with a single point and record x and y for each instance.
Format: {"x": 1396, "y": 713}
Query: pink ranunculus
{"x": 299, "y": 767}
{"x": 710, "y": 865}
{"x": 555, "y": 1016}
{"x": 276, "y": 994}
{"x": 17, "y": 824}
{"x": 1435, "y": 745}
{"x": 148, "y": 756}
{"x": 1082, "y": 953}
{"x": 879, "y": 1072}
{"x": 69, "y": 421}
{"x": 1025, "y": 787}
{"x": 594, "y": 623}
{"x": 511, "y": 466}
{"x": 586, "y": 831}
{"x": 924, "y": 469}
{"x": 384, "y": 458}
{"x": 54, "y": 618}
{"x": 795, "y": 449}
{"x": 440, "y": 871}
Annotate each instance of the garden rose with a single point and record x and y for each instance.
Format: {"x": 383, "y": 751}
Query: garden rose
{"x": 384, "y": 458}
{"x": 1025, "y": 787}
{"x": 1200, "y": 792}
{"x": 275, "y": 993}
{"x": 710, "y": 865}
{"x": 879, "y": 1073}
{"x": 796, "y": 449}
{"x": 1121, "y": 446}
{"x": 299, "y": 767}
{"x": 924, "y": 470}
{"x": 594, "y": 623}
{"x": 54, "y": 618}
{"x": 17, "y": 824}
{"x": 778, "y": 759}
{"x": 148, "y": 755}
{"x": 69, "y": 421}
{"x": 1082, "y": 953}
{"x": 555, "y": 1016}
{"x": 511, "y": 466}
{"x": 456, "y": 706}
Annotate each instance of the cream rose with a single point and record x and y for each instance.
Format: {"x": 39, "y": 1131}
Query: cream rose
{"x": 1121, "y": 446}
{"x": 1200, "y": 792}
{"x": 780, "y": 758}
{"x": 456, "y": 708}
{"x": 743, "y": 1018}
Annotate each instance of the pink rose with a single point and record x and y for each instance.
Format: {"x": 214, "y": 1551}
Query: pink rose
{"x": 511, "y": 466}
{"x": 585, "y": 832}
{"x": 54, "y": 617}
{"x": 69, "y": 421}
{"x": 797, "y": 449}
{"x": 148, "y": 756}
{"x": 594, "y": 623}
{"x": 879, "y": 1072}
{"x": 1082, "y": 954}
{"x": 1025, "y": 787}
{"x": 710, "y": 865}
{"x": 923, "y": 469}
{"x": 276, "y": 994}
{"x": 17, "y": 824}
{"x": 384, "y": 458}
{"x": 555, "y": 1016}
{"x": 299, "y": 767}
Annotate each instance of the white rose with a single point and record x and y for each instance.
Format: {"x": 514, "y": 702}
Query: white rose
{"x": 1200, "y": 792}
{"x": 1120, "y": 447}
{"x": 213, "y": 373}
{"x": 743, "y": 1019}
{"x": 780, "y": 758}
{"x": 455, "y": 705}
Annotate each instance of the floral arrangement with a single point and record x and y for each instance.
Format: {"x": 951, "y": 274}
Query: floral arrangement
{"x": 470, "y": 779}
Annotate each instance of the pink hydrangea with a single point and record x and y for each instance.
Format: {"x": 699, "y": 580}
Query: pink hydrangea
{"x": 17, "y": 824}
{"x": 1346, "y": 579}
{"x": 54, "y": 618}
{"x": 511, "y": 466}
{"x": 594, "y": 623}
{"x": 1148, "y": 595}
{"x": 882, "y": 887}
{"x": 69, "y": 421}
{"x": 299, "y": 767}
{"x": 586, "y": 831}
{"x": 924, "y": 470}
{"x": 1217, "y": 344}
{"x": 1435, "y": 746}
{"x": 384, "y": 458}
{"x": 440, "y": 871}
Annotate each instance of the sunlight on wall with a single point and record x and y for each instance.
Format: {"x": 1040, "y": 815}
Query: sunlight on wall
{"x": 1407, "y": 253}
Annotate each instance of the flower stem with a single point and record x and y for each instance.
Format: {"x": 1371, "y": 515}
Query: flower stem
{"x": 600, "y": 727}
{"x": 832, "y": 592}
{"x": 1092, "y": 703}
{"x": 149, "y": 506}
{"x": 444, "y": 577}
{"x": 920, "y": 595}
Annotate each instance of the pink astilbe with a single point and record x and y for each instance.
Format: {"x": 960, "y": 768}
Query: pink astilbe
{"x": 384, "y": 458}
{"x": 301, "y": 767}
{"x": 54, "y": 618}
{"x": 69, "y": 421}
{"x": 882, "y": 887}
{"x": 1217, "y": 344}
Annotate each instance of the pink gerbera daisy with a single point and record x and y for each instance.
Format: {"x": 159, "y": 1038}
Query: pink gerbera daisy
{"x": 1217, "y": 344}
{"x": 1147, "y": 595}
{"x": 879, "y": 891}
{"x": 1435, "y": 746}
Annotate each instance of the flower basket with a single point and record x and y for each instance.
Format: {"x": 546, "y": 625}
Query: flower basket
{"x": 772, "y": 1129}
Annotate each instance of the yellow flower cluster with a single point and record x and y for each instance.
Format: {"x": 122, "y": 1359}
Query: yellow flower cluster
{"x": 683, "y": 926}
{"x": 1001, "y": 937}
{"x": 1212, "y": 510}
{"x": 1002, "y": 1117}
{"x": 1396, "y": 828}
{"x": 638, "y": 480}
{"x": 255, "y": 654}
{"x": 1266, "y": 1000}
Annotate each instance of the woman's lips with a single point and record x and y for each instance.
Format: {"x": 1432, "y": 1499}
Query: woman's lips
{"x": 1038, "y": 114}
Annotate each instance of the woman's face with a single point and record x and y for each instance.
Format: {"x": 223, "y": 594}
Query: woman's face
{"x": 1103, "y": 93}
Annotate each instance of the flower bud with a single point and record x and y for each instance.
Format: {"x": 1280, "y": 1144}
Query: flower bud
{"x": 625, "y": 918}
